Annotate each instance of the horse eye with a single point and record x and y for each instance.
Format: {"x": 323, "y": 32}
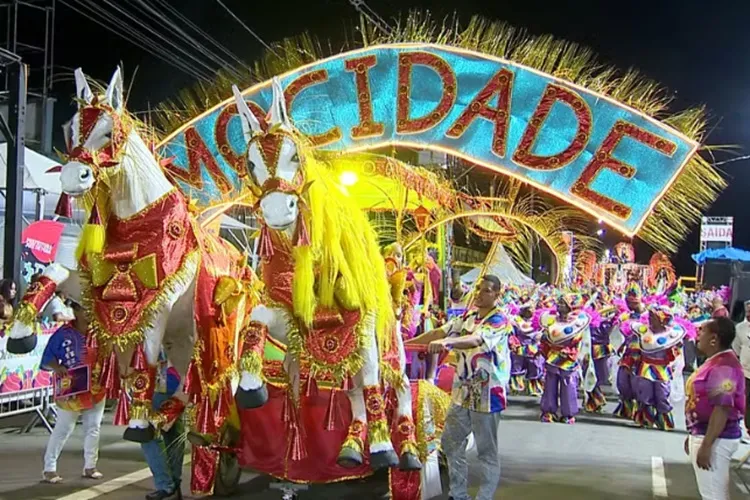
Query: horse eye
{"x": 251, "y": 165}
{"x": 295, "y": 158}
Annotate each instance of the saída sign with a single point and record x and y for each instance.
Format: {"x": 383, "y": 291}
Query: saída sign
{"x": 581, "y": 146}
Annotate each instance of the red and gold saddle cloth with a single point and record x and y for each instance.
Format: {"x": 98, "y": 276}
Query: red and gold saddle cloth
{"x": 144, "y": 258}
{"x": 332, "y": 345}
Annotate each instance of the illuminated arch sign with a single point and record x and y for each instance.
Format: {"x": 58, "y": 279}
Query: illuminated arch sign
{"x": 581, "y": 146}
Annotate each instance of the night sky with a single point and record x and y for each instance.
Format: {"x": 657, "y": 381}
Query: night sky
{"x": 696, "y": 48}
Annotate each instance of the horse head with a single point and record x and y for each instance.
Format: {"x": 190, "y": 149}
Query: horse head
{"x": 273, "y": 161}
{"x": 95, "y": 137}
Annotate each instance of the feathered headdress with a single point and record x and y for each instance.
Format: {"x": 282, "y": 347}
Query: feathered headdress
{"x": 633, "y": 291}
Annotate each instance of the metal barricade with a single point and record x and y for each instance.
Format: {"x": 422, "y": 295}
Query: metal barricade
{"x": 37, "y": 401}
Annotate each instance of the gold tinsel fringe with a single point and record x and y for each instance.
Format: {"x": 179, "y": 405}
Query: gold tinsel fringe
{"x": 252, "y": 363}
{"x": 177, "y": 280}
{"x": 696, "y": 188}
{"x": 26, "y": 314}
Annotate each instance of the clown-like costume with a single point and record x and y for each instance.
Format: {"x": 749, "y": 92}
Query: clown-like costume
{"x": 527, "y": 363}
{"x": 629, "y": 352}
{"x": 601, "y": 351}
{"x": 660, "y": 339}
{"x": 563, "y": 334}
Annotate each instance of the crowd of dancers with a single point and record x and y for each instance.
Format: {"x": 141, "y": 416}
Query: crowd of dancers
{"x": 571, "y": 341}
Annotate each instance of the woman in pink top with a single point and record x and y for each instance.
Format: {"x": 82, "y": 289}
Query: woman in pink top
{"x": 714, "y": 406}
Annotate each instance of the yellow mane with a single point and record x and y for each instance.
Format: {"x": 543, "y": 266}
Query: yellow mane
{"x": 343, "y": 261}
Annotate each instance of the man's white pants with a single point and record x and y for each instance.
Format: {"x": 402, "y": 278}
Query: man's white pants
{"x": 714, "y": 484}
{"x": 66, "y": 422}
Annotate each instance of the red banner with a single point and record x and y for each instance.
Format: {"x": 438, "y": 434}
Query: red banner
{"x": 41, "y": 238}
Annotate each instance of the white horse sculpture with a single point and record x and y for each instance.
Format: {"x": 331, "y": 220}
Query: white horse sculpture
{"x": 144, "y": 271}
{"x": 315, "y": 280}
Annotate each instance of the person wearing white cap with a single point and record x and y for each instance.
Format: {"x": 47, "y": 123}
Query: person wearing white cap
{"x": 741, "y": 346}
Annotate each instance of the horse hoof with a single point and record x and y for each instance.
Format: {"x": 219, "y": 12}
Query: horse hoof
{"x": 409, "y": 462}
{"x": 197, "y": 439}
{"x": 21, "y": 346}
{"x": 138, "y": 435}
{"x": 349, "y": 458}
{"x": 255, "y": 398}
{"x": 383, "y": 459}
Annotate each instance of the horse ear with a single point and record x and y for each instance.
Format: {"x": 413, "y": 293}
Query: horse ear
{"x": 83, "y": 91}
{"x": 114, "y": 94}
{"x": 250, "y": 124}
{"x": 279, "y": 115}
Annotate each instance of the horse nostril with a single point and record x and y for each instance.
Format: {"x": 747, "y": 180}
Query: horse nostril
{"x": 85, "y": 174}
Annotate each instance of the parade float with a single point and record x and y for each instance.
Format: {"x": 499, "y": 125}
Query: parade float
{"x": 617, "y": 269}
{"x": 311, "y": 343}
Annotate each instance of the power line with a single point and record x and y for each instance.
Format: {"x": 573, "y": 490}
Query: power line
{"x": 170, "y": 24}
{"x": 203, "y": 33}
{"x": 159, "y": 35}
{"x": 247, "y": 28}
{"x": 371, "y": 15}
{"x": 135, "y": 37}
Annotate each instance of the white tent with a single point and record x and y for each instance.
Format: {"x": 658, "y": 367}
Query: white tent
{"x": 501, "y": 266}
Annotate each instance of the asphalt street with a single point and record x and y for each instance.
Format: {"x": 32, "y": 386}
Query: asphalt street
{"x": 599, "y": 457}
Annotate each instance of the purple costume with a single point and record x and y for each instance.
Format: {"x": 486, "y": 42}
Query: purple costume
{"x": 653, "y": 378}
{"x": 527, "y": 363}
{"x": 630, "y": 358}
{"x": 601, "y": 350}
{"x": 560, "y": 347}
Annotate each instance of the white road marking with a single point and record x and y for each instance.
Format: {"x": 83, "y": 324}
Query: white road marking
{"x": 113, "y": 484}
{"x": 658, "y": 478}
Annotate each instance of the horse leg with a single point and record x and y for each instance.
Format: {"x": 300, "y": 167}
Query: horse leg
{"x": 382, "y": 453}
{"x": 252, "y": 391}
{"x": 143, "y": 380}
{"x": 405, "y": 429}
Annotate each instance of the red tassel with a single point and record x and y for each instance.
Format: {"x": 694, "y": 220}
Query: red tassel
{"x": 91, "y": 343}
{"x": 312, "y": 387}
{"x": 95, "y": 218}
{"x": 122, "y": 413}
{"x": 110, "y": 378}
{"x": 332, "y": 414}
{"x": 192, "y": 382}
{"x": 298, "y": 451}
{"x": 205, "y": 420}
{"x": 287, "y": 406}
{"x": 139, "y": 363}
{"x": 346, "y": 385}
{"x": 301, "y": 236}
{"x": 265, "y": 249}
{"x": 222, "y": 406}
{"x": 64, "y": 207}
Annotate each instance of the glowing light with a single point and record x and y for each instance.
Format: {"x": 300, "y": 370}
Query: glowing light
{"x": 600, "y": 232}
{"x": 348, "y": 178}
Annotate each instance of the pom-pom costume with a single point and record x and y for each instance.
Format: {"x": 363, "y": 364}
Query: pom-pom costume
{"x": 629, "y": 352}
{"x": 560, "y": 346}
{"x": 527, "y": 363}
{"x": 601, "y": 351}
{"x": 653, "y": 378}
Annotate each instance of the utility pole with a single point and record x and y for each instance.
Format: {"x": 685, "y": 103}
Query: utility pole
{"x": 14, "y": 131}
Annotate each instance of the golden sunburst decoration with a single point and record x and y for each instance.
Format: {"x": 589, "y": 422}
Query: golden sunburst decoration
{"x": 679, "y": 208}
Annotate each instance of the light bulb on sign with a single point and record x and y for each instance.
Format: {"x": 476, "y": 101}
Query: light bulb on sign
{"x": 348, "y": 178}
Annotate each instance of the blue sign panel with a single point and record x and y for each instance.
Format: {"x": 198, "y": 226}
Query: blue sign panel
{"x": 583, "y": 147}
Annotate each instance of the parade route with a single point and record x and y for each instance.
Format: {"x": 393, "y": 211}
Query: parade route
{"x": 599, "y": 457}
